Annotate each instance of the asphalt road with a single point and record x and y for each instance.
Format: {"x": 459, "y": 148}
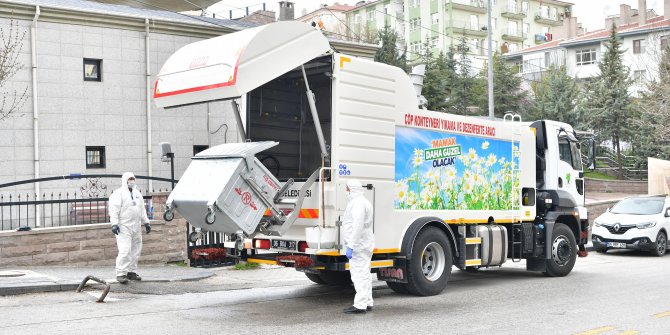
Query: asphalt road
{"x": 618, "y": 293}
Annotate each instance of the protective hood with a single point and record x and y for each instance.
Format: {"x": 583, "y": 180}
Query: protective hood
{"x": 355, "y": 188}
{"x": 125, "y": 177}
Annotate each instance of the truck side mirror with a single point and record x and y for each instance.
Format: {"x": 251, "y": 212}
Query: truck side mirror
{"x": 667, "y": 212}
{"x": 607, "y": 210}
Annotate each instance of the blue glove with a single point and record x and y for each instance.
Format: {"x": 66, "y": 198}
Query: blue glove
{"x": 350, "y": 252}
{"x": 115, "y": 229}
{"x": 147, "y": 227}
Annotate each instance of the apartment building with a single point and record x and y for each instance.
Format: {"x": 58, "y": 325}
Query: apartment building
{"x": 643, "y": 35}
{"x": 516, "y": 24}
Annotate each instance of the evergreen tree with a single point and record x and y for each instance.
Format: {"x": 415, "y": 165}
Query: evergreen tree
{"x": 507, "y": 93}
{"x": 464, "y": 83}
{"x": 654, "y": 133}
{"x": 388, "y": 53}
{"x": 609, "y": 100}
{"x": 439, "y": 81}
{"x": 557, "y": 97}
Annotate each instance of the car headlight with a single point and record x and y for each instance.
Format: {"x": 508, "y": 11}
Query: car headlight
{"x": 645, "y": 225}
{"x": 597, "y": 223}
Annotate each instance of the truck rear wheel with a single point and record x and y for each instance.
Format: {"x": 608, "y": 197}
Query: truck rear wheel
{"x": 398, "y": 287}
{"x": 338, "y": 278}
{"x": 315, "y": 278}
{"x": 563, "y": 251}
{"x": 429, "y": 269}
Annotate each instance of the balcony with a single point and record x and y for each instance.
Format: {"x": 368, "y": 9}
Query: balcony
{"x": 513, "y": 12}
{"x": 467, "y": 28}
{"x": 513, "y": 35}
{"x": 475, "y": 6}
{"x": 544, "y": 18}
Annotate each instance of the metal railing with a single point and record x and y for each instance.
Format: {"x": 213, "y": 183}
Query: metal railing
{"x": 83, "y": 204}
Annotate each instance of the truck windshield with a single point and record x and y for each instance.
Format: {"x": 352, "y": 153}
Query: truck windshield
{"x": 639, "y": 206}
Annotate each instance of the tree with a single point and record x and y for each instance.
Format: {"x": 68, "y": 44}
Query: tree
{"x": 11, "y": 43}
{"x": 462, "y": 95}
{"x": 557, "y": 97}
{"x": 507, "y": 93}
{"x": 609, "y": 100}
{"x": 438, "y": 81}
{"x": 388, "y": 53}
{"x": 653, "y": 132}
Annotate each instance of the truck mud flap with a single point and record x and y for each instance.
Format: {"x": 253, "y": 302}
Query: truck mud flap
{"x": 396, "y": 273}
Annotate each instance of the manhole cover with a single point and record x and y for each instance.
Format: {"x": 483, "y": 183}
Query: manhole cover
{"x": 4, "y": 274}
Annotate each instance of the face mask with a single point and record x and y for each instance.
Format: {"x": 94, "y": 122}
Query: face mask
{"x": 131, "y": 184}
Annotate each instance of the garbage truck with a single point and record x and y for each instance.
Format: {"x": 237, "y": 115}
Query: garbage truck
{"x": 447, "y": 190}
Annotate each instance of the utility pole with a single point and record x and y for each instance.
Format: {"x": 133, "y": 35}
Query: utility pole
{"x": 490, "y": 56}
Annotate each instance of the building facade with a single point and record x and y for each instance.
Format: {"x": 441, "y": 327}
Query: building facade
{"x": 516, "y": 24}
{"x": 643, "y": 38}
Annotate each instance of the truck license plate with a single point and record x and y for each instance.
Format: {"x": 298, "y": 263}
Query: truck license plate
{"x": 286, "y": 245}
{"x": 617, "y": 245}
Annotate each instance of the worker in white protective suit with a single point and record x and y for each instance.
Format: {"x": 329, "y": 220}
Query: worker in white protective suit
{"x": 360, "y": 242}
{"x": 127, "y": 214}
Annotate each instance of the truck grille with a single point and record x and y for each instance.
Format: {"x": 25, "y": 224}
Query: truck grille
{"x": 622, "y": 229}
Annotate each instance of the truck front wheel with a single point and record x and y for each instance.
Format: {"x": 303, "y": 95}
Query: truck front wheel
{"x": 429, "y": 269}
{"x": 563, "y": 251}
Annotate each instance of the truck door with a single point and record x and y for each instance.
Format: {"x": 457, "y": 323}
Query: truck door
{"x": 570, "y": 174}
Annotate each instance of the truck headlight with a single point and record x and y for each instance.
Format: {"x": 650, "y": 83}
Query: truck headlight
{"x": 645, "y": 225}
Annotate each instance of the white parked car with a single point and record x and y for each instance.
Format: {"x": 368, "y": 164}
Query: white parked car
{"x": 640, "y": 223}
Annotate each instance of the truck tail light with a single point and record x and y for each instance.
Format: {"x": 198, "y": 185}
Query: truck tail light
{"x": 302, "y": 246}
{"x": 262, "y": 244}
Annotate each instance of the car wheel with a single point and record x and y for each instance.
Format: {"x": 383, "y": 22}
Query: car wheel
{"x": 661, "y": 244}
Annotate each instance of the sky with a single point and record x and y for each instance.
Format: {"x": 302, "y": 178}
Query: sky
{"x": 591, "y": 13}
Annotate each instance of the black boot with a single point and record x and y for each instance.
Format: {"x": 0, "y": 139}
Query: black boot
{"x": 134, "y": 276}
{"x": 353, "y": 310}
{"x": 122, "y": 279}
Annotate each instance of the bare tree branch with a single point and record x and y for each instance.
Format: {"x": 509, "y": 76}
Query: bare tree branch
{"x": 11, "y": 44}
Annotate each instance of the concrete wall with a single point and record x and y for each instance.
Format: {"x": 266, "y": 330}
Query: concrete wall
{"x": 93, "y": 244}
{"x": 615, "y": 186}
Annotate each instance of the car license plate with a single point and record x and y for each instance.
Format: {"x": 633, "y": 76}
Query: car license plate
{"x": 286, "y": 245}
{"x": 616, "y": 245}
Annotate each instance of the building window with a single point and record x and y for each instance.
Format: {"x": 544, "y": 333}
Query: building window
{"x": 199, "y": 148}
{"x": 414, "y": 3}
{"x": 92, "y": 69}
{"x": 554, "y": 13}
{"x": 434, "y": 41}
{"x": 386, "y": 9}
{"x": 639, "y": 76}
{"x": 494, "y": 23}
{"x": 95, "y": 157}
{"x": 435, "y": 18}
{"x": 474, "y": 22}
{"x": 665, "y": 42}
{"x": 586, "y": 56}
{"x": 526, "y": 28}
{"x": 524, "y": 6}
{"x": 639, "y": 46}
{"x": 371, "y": 16}
{"x": 415, "y": 24}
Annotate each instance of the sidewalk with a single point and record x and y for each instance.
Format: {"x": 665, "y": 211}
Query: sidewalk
{"x": 52, "y": 279}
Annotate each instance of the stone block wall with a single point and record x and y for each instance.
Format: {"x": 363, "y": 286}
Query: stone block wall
{"x": 615, "y": 186}
{"x": 92, "y": 244}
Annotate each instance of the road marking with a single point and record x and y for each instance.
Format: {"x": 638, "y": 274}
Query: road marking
{"x": 596, "y": 331}
{"x": 662, "y": 315}
{"x": 629, "y": 332}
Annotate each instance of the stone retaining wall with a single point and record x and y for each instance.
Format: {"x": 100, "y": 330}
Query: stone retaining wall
{"x": 92, "y": 244}
{"x": 615, "y": 186}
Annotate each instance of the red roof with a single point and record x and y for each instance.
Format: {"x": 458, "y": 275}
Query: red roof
{"x": 341, "y": 7}
{"x": 542, "y": 46}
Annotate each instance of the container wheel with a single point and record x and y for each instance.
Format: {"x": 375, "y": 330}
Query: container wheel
{"x": 430, "y": 267}
{"x": 315, "y": 277}
{"x": 563, "y": 251}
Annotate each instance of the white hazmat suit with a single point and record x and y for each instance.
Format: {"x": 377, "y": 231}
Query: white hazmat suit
{"x": 358, "y": 235}
{"x": 126, "y": 209}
